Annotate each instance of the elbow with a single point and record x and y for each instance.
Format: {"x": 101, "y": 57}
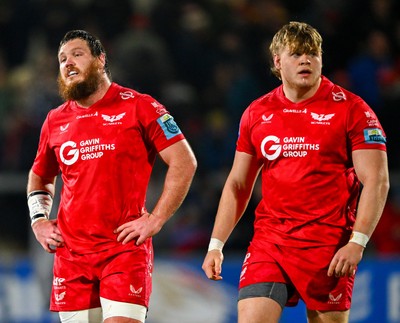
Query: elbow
{"x": 192, "y": 165}
{"x": 188, "y": 166}
{"x": 385, "y": 185}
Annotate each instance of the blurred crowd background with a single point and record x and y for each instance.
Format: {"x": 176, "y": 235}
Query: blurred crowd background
{"x": 205, "y": 61}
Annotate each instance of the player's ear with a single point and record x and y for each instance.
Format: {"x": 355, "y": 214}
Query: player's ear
{"x": 277, "y": 61}
{"x": 102, "y": 59}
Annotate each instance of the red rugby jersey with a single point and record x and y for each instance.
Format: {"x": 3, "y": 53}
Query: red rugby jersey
{"x": 309, "y": 186}
{"x": 105, "y": 154}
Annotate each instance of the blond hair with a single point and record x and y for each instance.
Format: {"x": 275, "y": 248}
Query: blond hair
{"x": 299, "y": 37}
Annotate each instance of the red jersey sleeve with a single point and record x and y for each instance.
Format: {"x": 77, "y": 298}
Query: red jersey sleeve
{"x": 244, "y": 143}
{"x": 159, "y": 126}
{"x": 364, "y": 128}
{"x": 45, "y": 163}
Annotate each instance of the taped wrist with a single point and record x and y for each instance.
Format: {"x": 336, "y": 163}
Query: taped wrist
{"x": 39, "y": 204}
{"x": 215, "y": 244}
{"x": 359, "y": 238}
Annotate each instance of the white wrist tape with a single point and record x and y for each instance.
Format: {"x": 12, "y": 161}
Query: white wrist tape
{"x": 39, "y": 203}
{"x": 359, "y": 238}
{"x": 215, "y": 244}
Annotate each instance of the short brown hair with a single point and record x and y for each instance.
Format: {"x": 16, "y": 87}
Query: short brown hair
{"x": 299, "y": 37}
{"x": 95, "y": 46}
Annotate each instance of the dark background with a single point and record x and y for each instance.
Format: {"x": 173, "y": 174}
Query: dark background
{"x": 205, "y": 61}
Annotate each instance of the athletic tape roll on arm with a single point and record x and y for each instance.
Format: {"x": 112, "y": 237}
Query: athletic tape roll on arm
{"x": 215, "y": 244}
{"x": 39, "y": 203}
{"x": 359, "y": 238}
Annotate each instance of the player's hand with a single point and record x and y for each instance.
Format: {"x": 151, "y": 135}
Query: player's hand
{"x": 212, "y": 265}
{"x": 345, "y": 261}
{"x": 48, "y": 235}
{"x": 142, "y": 228}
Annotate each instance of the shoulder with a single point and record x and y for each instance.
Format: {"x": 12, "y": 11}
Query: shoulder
{"x": 131, "y": 95}
{"x": 59, "y": 110}
{"x": 263, "y": 104}
{"x": 337, "y": 93}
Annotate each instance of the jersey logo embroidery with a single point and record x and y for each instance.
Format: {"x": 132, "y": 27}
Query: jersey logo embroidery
{"x": 340, "y": 96}
{"x": 71, "y": 156}
{"x": 273, "y": 150}
{"x": 113, "y": 118}
{"x": 64, "y": 128}
{"x": 267, "y": 119}
{"x": 126, "y": 95}
{"x": 333, "y": 299}
{"x": 160, "y": 109}
{"x": 135, "y": 291}
{"x": 60, "y": 296}
{"x": 58, "y": 281}
{"x": 322, "y": 117}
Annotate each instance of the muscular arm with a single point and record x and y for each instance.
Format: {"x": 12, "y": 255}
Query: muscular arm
{"x": 372, "y": 170}
{"x": 234, "y": 200}
{"x": 181, "y": 169}
{"x": 182, "y": 165}
{"x": 235, "y": 195}
{"x": 37, "y": 183}
{"x": 46, "y": 231}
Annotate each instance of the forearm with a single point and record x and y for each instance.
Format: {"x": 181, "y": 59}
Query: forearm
{"x": 370, "y": 207}
{"x": 235, "y": 195}
{"x": 37, "y": 183}
{"x": 233, "y": 203}
{"x": 177, "y": 182}
{"x": 40, "y": 193}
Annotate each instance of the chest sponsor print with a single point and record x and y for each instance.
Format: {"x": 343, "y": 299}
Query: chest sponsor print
{"x": 71, "y": 151}
{"x": 288, "y": 147}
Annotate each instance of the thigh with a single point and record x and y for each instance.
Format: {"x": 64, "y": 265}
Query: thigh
{"x": 258, "y": 310}
{"x": 127, "y": 275}
{"x": 84, "y": 316}
{"x": 263, "y": 266}
{"x": 328, "y": 317}
{"x": 119, "y": 311}
{"x": 308, "y": 269}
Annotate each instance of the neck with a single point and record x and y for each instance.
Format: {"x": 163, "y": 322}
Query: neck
{"x": 296, "y": 93}
{"x": 96, "y": 96}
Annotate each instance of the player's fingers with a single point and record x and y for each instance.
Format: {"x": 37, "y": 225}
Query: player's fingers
{"x": 213, "y": 274}
{"x": 128, "y": 237}
{"x": 351, "y": 271}
{"x": 140, "y": 240}
{"x": 57, "y": 237}
{"x": 332, "y": 267}
{"x": 340, "y": 269}
{"x": 48, "y": 245}
{"x": 208, "y": 268}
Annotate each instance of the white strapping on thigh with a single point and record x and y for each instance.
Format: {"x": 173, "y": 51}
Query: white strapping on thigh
{"x": 114, "y": 308}
{"x": 85, "y": 316}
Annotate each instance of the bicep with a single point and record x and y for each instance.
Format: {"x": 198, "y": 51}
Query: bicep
{"x": 370, "y": 164}
{"x": 179, "y": 153}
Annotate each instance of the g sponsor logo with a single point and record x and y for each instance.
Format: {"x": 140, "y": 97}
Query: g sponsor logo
{"x": 69, "y": 156}
{"x": 270, "y": 147}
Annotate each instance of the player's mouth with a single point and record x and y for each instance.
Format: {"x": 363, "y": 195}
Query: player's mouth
{"x": 71, "y": 74}
{"x": 305, "y": 72}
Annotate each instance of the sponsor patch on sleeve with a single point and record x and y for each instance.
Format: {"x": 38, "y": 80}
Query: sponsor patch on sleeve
{"x": 374, "y": 136}
{"x": 169, "y": 126}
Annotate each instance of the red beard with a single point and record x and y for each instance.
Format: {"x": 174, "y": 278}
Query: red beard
{"x": 83, "y": 89}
